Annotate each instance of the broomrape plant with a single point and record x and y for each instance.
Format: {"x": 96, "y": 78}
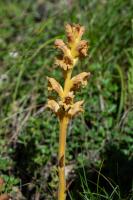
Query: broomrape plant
{"x": 66, "y": 108}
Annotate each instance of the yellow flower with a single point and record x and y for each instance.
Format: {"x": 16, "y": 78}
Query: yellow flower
{"x": 76, "y": 108}
{"x": 53, "y": 105}
{"x": 71, "y": 52}
{"x": 79, "y": 80}
{"x": 54, "y": 85}
{"x": 62, "y": 46}
{"x": 65, "y": 62}
{"x": 74, "y": 33}
{"x": 76, "y": 48}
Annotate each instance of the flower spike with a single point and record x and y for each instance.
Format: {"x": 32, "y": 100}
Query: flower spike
{"x": 65, "y": 107}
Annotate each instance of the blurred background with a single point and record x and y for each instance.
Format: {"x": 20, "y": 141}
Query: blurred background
{"x": 99, "y": 157}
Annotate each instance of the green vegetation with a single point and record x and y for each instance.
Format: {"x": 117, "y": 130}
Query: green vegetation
{"x": 99, "y": 156}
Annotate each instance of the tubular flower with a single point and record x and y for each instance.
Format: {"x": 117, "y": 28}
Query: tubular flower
{"x": 54, "y": 85}
{"x": 62, "y": 46}
{"x": 76, "y": 108}
{"x": 79, "y": 80}
{"x": 53, "y": 105}
{"x": 66, "y": 61}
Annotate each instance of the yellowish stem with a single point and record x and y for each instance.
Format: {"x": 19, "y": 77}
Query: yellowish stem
{"x": 67, "y": 82}
{"x": 62, "y": 139}
{"x": 66, "y": 108}
{"x": 62, "y": 143}
{"x": 61, "y": 158}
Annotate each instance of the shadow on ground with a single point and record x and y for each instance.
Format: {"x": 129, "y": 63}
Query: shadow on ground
{"x": 116, "y": 172}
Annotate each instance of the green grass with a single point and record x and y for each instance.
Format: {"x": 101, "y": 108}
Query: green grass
{"x": 29, "y": 132}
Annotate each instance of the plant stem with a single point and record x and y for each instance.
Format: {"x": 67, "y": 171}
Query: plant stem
{"x": 67, "y": 82}
{"x": 62, "y": 142}
{"x": 61, "y": 158}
